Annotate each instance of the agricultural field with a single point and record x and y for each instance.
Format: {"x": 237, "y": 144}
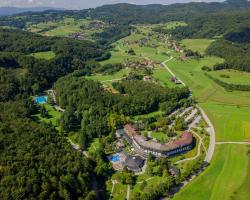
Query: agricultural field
{"x": 227, "y": 177}
{"x": 199, "y": 45}
{"x": 229, "y": 112}
{"x": 48, "y": 55}
{"x": 232, "y": 76}
{"x": 65, "y": 27}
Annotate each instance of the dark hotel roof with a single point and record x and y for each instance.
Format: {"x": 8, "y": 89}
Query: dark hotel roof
{"x": 134, "y": 162}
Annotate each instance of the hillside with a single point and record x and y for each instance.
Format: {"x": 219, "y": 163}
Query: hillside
{"x": 126, "y": 101}
{"x": 4, "y": 11}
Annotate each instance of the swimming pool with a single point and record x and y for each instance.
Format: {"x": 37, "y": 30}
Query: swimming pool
{"x": 114, "y": 158}
{"x": 41, "y": 99}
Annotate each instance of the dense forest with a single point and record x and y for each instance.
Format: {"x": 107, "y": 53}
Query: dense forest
{"x": 36, "y": 162}
{"x": 16, "y": 47}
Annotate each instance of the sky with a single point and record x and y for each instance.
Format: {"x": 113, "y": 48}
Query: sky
{"x": 81, "y": 4}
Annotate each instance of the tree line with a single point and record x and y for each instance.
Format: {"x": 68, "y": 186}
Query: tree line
{"x": 36, "y": 162}
{"x": 229, "y": 86}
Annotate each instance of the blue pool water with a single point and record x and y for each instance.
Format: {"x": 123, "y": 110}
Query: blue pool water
{"x": 114, "y": 158}
{"x": 41, "y": 99}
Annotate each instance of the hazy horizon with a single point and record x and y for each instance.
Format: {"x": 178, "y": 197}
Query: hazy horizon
{"x": 82, "y": 4}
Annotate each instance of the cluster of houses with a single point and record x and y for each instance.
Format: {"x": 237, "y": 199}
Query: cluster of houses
{"x": 142, "y": 63}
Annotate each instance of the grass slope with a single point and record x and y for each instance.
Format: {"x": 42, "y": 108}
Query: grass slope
{"x": 199, "y": 45}
{"x": 48, "y": 55}
{"x": 230, "y": 114}
{"x": 235, "y": 77}
{"x": 220, "y": 181}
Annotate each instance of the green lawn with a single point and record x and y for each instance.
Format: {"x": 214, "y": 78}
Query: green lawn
{"x": 48, "y": 55}
{"x": 54, "y": 116}
{"x": 199, "y": 45}
{"x": 94, "y": 146}
{"x": 160, "y": 136}
{"x": 230, "y": 114}
{"x": 152, "y": 114}
{"x": 232, "y": 122}
{"x": 235, "y": 77}
{"x": 228, "y": 174}
{"x": 107, "y": 78}
{"x": 164, "y": 77}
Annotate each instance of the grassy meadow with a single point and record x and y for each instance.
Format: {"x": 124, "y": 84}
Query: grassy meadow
{"x": 64, "y": 27}
{"x": 48, "y": 55}
{"x": 199, "y": 45}
{"x": 230, "y": 113}
{"x": 54, "y": 116}
{"x": 232, "y": 76}
{"x": 226, "y": 178}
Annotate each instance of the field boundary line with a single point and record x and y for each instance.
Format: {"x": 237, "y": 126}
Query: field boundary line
{"x": 230, "y": 142}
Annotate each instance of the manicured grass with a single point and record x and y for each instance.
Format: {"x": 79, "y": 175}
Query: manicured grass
{"x": 160, "y": 136}
{"x": 54, "y": 116}
{"x": 48, "y": 55}
{"x": 220, "y": 180}
{"x": 95, "y": 145}
{"x": 199, "y": 45}
{"x": 233, "y": 76}
{"x": 120, "y": 191}
{"x": 232, "y": 122}
{"x": 152, "y": 114}
{"x": 242, "y": 192}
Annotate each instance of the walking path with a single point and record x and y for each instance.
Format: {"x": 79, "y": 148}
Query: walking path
{"x": 243, "y": 143}
{"x": 128, "y": 193}
{"x": 198, "y": 152}
{"x": 211, "y": 132}
{"x": 210, "y": 128}
{"x": 113, "y": 186}
{"x": 77, "y": 148}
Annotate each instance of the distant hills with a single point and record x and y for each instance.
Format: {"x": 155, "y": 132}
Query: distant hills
{"x": 4, "y": 11}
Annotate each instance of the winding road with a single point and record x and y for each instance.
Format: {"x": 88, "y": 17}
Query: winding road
{"x": 198, "y": 152}
{"x": 210, "y": 128}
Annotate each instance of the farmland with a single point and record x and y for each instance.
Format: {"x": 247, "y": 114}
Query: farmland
{"x": 199, "y": 45}
{"x": 215, "y": 182}
{"x": 65, "y": 27}
{"x": 232, "y": 76}
{"x": 229, "y": 112}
